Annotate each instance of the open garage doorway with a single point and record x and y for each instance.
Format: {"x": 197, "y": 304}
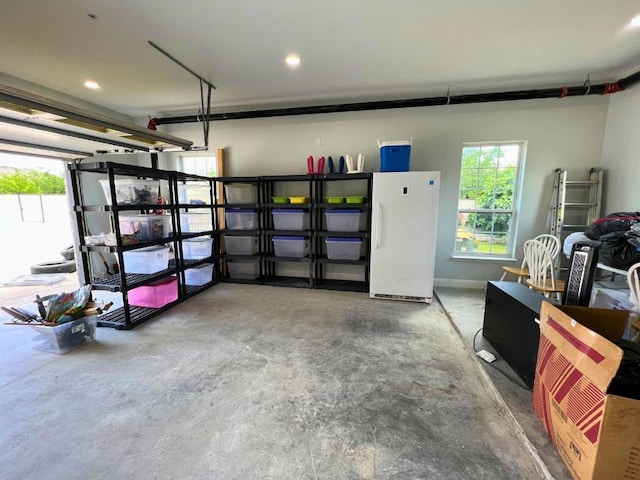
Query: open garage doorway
{"x": 36, "y": 223}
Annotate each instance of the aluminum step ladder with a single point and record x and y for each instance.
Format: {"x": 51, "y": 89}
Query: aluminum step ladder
{"x": 575, "y": 204}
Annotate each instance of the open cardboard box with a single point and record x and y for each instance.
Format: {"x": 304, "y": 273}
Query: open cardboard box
{"x": 597, "y": 434}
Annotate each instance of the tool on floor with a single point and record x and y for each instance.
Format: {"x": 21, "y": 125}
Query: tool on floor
{"x": 20, "y": 314}
{"x": 92, "y": 308}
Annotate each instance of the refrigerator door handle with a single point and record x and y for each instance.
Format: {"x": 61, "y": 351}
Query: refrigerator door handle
{"x": 378, "y": 221}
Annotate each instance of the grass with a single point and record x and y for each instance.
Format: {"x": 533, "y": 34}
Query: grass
{"x": 486, "y": 247}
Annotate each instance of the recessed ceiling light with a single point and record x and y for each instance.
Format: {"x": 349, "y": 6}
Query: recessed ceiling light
{"x": 635, "y": 21}
{"x": 293, "y": 60}
{"x": 91, "y": 84}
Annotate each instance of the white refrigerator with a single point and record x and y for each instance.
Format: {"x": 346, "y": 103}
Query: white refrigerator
{"x": 403, "y": 235}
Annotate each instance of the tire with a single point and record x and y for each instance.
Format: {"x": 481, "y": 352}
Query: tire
{"x": 68, "y": 253}
{"x": 63, "y": 266}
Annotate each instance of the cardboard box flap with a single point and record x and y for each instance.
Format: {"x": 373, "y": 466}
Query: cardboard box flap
{"x": 587, "y": 350}
{"x": 609, "y": 323}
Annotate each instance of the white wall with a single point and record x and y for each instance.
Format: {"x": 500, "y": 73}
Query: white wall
{"x": 560, "y": 133}
{"x": 621, "y": 153}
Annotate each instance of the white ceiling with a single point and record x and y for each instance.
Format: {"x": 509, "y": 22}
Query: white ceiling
{"x": 352, "y": 50}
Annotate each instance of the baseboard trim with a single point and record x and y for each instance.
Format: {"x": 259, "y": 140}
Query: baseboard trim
{"x": 457, "y": 283}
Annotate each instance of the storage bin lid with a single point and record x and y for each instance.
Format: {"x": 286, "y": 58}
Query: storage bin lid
{"x": 198, "y": 240}
{"x": 287, "y": 239}
{"x": 201, "y": 267}
{"x": 153, "y": 248}
{"x": 343, "y": 240}
{"x": 342, "y": 211}
{"x": 141, "y": 217}
{"x": 287, "y": 210}
{"x": 395, "y": 143}
{"x": 241, "y": 185}
{"x": 228, "y": 235}
{"x": 239, "y": 210}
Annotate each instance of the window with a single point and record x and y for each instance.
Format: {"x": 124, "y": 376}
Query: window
{"x": 204, "y": 165}
{"x": 487, "y": 199}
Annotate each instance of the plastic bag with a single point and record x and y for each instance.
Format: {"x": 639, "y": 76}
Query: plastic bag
{"x": 66, "y": 307}
{"x": 618, "y": 250}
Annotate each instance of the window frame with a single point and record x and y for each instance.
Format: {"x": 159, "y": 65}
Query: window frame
{"x": 515, "y": 204}
{"x": 188, "y": 155}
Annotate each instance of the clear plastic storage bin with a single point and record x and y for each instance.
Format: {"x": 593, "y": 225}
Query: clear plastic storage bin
{"x": 196, "y": 221}
{"x": 194, "y": 194}
{"x": 197, "y": 248}
{"x": 343, "y": 220}
{"x": 244, "y": 270}
{"x": 141, "y": 228}
{"x": 241, "y": 245}
{"x": 199, "y": 275}
{"x": 131, "y": 191}
{"x": 343, "y": 248}
{"x": 241, "y": 219}
{"x": 290, "y": 219}
{"x": 67, "y": 336}
{"x": 156, "y": 294}
{"x": 146, "y": 260}
{"x": 292, "y": 247}
{"x": 241, "y": 193}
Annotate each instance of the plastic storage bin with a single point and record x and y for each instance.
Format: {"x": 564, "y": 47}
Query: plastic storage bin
{"x": 343, "y": 220}
{"x": 343, "y": 248}
{"x": 241, "y": 219}
{"x": 194, "y": 194}
{"x": 146, "y": 260}
{"x": 67, "y": 336}
{"x": 292, "y": 247}
{"x": 196, "y": 221}
{"x": 394, "y": 156}
{"x": 156, "y": 294}
{"x": 241, "y": 193}
{"x": 131, "y": 191}
{"x": 244, "y": 270}
{"x": 290, "y": 219}
{"x": 141, "y": 228}
{"x": 199, "y": 275}
{"x": 197, "y": 248}
{"x": 299, "y": 199}
{"x": 241, "y": 245}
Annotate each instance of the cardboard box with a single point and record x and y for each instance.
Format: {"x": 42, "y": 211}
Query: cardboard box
{"x": 597, "y": 434}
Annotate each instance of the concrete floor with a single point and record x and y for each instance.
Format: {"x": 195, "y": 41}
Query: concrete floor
{"x": 246, "y": 382}
{"x": 466, "y": 309}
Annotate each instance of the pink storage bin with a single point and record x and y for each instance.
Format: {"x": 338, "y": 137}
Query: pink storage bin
{"x": 156, "y": 294}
